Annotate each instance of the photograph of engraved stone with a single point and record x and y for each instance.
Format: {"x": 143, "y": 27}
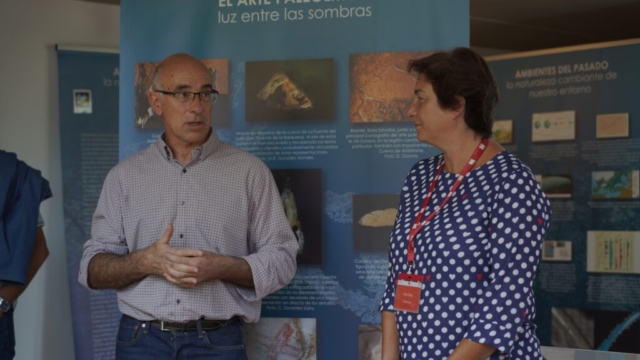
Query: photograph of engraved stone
{"x": 381, "y": 89}
{"x": 281, "y": 339}
{"x": 603, "y": 330}
{"x": 369, "y": 342}
{"x": 301, "y": 195}
{"x": 290, "y": 91}
{"x": 373, "y": 218}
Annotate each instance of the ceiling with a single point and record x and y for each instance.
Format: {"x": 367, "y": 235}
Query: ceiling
{"x": 524, "y": 25}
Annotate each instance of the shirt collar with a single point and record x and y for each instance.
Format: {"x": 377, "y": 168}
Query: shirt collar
{"x": 199, "y": 153}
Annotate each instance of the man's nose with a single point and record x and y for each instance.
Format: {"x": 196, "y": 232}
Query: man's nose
{"x": 196, "y": 105}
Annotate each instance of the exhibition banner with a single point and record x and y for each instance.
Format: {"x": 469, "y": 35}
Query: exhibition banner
{"x": 569, "y": 114}
{"x": 88, "y": 88}
{"x": 318, "y": 90}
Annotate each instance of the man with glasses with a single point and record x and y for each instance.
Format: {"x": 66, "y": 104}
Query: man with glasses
{"x": 190, "y": 231}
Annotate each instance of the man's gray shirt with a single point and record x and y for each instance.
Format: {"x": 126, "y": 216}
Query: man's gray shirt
{"x": 224, "y": 201}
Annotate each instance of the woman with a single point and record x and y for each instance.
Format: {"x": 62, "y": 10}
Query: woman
{"x": 475, "y": 242}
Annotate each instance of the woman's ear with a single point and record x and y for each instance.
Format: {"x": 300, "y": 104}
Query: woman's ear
{"x": 461, "y": 104}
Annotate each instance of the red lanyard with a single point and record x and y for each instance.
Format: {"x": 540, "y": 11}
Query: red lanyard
{"x": 417, "y": 223}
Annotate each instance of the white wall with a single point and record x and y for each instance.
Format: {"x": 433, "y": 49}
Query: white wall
{"x": 29, "y": 30}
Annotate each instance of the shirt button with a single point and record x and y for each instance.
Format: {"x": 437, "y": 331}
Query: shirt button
{"x": 178, "y": 301}
{"x": 181, "y": 236}
{"x": 182, "y": 203}
{"x": 184, "y": 171}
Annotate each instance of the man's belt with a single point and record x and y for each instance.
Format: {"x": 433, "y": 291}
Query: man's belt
{"x": 205, "y": 325}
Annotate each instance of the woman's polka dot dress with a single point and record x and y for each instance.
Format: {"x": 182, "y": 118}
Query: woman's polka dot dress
{"x": 478, "y": 255}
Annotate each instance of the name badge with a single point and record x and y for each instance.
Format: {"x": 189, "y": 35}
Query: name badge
{"x": 408, "y": 292}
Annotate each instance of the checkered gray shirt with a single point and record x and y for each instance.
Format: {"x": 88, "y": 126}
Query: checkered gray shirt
{"x": 224, "y": 201}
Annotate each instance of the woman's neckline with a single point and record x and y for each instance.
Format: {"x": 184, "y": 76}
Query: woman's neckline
{"x": 446, "y": 173}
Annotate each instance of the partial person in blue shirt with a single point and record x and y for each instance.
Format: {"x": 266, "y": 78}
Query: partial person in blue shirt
{"x": 23, "y": 247}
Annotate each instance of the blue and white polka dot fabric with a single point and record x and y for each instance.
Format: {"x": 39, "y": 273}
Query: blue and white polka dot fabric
{"x": 478, "y": 255}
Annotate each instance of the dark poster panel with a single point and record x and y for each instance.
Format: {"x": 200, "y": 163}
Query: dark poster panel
{"x": 572, "y": 117}
{"x": 89, "y": 84}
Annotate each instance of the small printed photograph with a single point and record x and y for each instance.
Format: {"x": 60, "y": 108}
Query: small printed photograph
{"x": 503, "y": 131}
{"x": 370, "y": 342}
{"x": 82, "y": 101}
{"x": 301, "y": 194}
{"x": 381, "y": 89}
{"x": 553, "y": 126}
{"x": 588, "y": 329}
{"x": 290, "y": 91}
{"x": 373, "y": 219}
{"x": 556, "y": 250}
{"x": 613, "y": 252}
{"x": 556, "y": 186}
{"x": 145, "y": 118}
{"x": 612, "y": 126}
{"x": 281, "y": 339}
{"x": 615, "y": 184}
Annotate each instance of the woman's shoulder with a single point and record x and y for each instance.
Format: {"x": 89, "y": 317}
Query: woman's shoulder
{"x": 506, "y": 165}
{"x": 509, "y": 172}
{"x": 426, "y": 165}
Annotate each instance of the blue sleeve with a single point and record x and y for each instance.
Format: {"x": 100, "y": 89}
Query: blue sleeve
{"x": 519, "y": 218}
{"x": 20, "y": 220}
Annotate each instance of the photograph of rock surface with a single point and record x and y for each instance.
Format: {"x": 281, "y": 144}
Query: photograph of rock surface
{"x": 281, "y": 339}
{"x": 612, "y": 125}
{"x": 381, "y": 89}
{"x": 556, "y": 186}
{"x": 290, "y": 91}
{"x": 503, "y": 131}
{"x": 373, "y": 218}
{"x": 301, "y": 195}
{"x": 602, "y": 330}
{"x": 370, "y": 342}
{"x": 556, "y": 250}
{"x": 146, "y": 119}
{"x": 623, "y": 184}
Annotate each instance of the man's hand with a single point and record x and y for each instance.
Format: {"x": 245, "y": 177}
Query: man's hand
{"x": 155, "y": 259}
{"x": 193, "y": 270}
{"x": 180, "y": 266}
{"x": 189, "y": 271}
{"x": 110, "y": 271}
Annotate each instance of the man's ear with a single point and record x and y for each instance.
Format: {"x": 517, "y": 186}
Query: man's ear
{"x": 155, "y": 102}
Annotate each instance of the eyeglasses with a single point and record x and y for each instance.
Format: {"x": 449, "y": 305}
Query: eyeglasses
{"x": 186, "y": 97}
